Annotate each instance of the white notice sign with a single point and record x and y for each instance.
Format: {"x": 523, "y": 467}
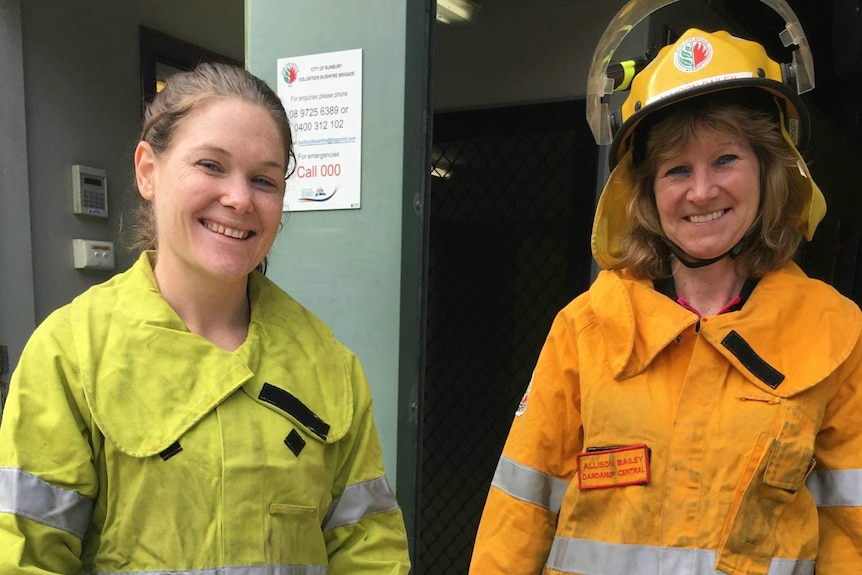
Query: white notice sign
{"x": 322, "y": 94}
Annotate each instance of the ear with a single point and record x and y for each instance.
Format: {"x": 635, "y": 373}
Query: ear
{"x": 145, "y": 160}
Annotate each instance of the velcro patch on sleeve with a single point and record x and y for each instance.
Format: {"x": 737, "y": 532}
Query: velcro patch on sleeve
{"x": 613, "y": 467}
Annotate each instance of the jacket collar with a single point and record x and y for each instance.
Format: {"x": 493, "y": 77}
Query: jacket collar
{"x": 787, "y": 320}
{"x": 143, "y": 402}
{"x": 636, "y": 321}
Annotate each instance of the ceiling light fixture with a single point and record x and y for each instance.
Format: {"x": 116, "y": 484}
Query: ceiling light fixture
{"x": 452, "y": 11}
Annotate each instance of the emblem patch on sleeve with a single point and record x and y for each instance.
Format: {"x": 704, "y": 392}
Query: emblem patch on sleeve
{"x": 522, "y": 407}
{"x": 613, "y": 467}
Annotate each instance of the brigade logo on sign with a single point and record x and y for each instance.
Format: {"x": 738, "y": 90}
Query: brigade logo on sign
{"x": 290, "y": 73}
{"x": 693, "y": 54}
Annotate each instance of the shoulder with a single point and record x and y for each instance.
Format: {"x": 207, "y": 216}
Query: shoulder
{"x": 279, "y": 313}
{"x": 95, "y": 301}
{"x": 131, "y": 288}
{"x": 54, "y": 332}
{"x": 613, "y": 294}
{"x": 790, "y": 287}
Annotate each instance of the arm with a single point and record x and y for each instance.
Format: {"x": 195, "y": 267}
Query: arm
{"x": 836, "y": 483}
{"x": 537, "y": 464}
{"x": 47, "y": 479}
{"x": 364, "y": 529}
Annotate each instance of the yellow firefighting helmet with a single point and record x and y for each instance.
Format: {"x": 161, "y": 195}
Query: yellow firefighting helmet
{"x": 698, "y": 63}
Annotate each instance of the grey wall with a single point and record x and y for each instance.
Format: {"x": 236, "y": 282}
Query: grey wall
{"x": 16, "y": 269}
{"x": 80, "y": 62}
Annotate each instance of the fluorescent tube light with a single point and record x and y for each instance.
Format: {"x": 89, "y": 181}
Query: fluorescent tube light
{"x": 451, "y": 11}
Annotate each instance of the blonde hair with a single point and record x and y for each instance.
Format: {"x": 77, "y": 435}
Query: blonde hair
{"x": 776, "y": 233}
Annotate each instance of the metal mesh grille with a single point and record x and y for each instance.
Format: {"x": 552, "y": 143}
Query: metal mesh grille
{"x": 511, "y": 210}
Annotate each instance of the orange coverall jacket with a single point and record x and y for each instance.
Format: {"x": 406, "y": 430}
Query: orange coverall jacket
{"x": 652, "y": 441}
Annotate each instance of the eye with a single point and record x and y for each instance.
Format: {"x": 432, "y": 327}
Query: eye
{"x": 677, "y": 171}
{"x": 209, "y": 165}
{"x": 267, "y": 183}
{"x": 726, "y": 160}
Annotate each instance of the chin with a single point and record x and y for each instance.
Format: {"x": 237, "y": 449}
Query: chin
{"x": 231, "y": 271}
{"x": 707, "y": 254}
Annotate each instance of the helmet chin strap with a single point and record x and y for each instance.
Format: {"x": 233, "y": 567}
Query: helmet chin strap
{"x": 694, "y": 263}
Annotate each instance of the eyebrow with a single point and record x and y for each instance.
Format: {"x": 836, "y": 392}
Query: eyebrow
{"x": 219, "y": 150}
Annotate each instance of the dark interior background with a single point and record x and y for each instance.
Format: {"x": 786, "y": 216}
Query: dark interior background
{"x": 511, "y": 211}
{"x": 510, "y": 221}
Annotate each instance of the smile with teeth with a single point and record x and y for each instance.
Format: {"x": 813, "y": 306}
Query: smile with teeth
{"x": 225, "y": 231}
{"x": 699, "y": 219}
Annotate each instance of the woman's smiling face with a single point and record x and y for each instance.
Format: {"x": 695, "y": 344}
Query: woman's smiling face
{"x": 217, "y": 191}
{"x": 708, "y": 195}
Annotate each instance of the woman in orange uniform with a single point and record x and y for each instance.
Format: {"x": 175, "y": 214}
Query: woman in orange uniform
{"x": 698, "y": 410}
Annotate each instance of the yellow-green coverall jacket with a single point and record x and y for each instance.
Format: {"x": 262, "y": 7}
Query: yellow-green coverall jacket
{"x": 129, "y": 444}
{"x": 748, "y": 424}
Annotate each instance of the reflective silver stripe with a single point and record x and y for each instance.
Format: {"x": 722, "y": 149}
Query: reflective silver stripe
{"x": 26, "y": 495}
{"x": 358, "y": 501}
{"x": 530, "y": 485}
{"x": 836, "y": 488}
{"x": 597, "y": 558}
{"x": 250, "y": 570}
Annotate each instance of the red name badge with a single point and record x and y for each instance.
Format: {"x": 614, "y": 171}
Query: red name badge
{"x": 613, "y": 467}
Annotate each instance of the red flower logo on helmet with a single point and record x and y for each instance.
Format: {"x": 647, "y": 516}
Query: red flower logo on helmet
{"x": 693, "y": 54}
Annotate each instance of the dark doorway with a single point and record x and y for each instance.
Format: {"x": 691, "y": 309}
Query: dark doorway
{"x": 511, "y": 211}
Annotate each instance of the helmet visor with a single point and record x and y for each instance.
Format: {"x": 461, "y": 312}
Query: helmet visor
{"x": 600, "y": 86}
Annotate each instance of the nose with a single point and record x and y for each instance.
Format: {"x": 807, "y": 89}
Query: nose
{"x": 237, "y": 195}
{"x": 702, "y": 188}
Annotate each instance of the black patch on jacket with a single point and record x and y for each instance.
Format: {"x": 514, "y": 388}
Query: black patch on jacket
{"x": 292, "y": 406}
{"x": 171, "y": 450}
{"x": 753, "y": 362}
{"x": 294, "y": 442}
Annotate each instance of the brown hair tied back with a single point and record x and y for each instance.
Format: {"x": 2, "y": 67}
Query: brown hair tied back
{"x": 183, "y": 94}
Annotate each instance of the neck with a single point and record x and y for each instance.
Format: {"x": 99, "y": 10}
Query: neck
{"x": 708, "y": 289}
{"x": 219, "y": 312}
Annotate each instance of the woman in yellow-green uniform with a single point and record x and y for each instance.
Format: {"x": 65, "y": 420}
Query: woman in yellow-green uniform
{"x": 188, "y": 416}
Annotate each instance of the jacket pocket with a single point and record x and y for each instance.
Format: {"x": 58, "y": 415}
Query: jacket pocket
{"x": 294, "y": 536}
{"x": 776, "y": 469}
{"x": 792, "y": 457}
